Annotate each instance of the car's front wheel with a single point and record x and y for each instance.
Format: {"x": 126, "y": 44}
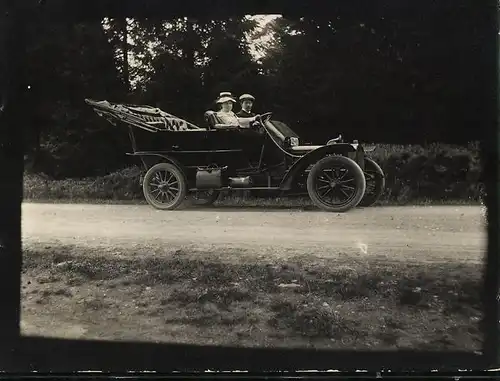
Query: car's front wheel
{"x": 164, "y": 186}
{"x": 336, "y": 184}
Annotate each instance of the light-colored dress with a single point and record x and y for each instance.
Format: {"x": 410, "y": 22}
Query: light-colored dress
{"x": 228, "y": 118}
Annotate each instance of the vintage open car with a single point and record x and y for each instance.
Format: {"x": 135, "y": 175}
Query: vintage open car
{"x": 183, "y": 159}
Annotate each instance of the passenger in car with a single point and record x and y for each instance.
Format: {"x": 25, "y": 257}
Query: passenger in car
{"x": 225, "y": 115}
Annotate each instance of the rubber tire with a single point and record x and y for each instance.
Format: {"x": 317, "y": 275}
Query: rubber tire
{"x": 346, "y": 162}
{"x": 179, "y": 175}
{"x": 205, "y": 201}
{"x": 370, "y": 199}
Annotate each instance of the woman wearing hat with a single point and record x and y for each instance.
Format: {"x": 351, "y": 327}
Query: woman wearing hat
{"x": 226, "y": 115}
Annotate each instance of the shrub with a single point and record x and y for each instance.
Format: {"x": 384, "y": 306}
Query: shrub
{"x": 435, "y": 172}
{"x": 121, "y": 185}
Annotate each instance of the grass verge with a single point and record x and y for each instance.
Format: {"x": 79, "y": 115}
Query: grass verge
{"x": 305, "y": 302}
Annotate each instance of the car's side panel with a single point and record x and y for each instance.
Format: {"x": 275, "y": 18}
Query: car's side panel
{"x": 171, "y": 140}
{"x": 187, "y": 162}
{"x": 188, "y": 158}
{"x": 190, "y": 161}
{"x": 249, "y": 142}
{"x": 232, "y": 148}
{"x": 312, "y": 157}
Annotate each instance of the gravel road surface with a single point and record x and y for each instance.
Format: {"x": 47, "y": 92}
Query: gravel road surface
{"x": 423, "y": 233}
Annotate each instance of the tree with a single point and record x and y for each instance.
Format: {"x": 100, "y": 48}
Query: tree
{"x": 195, "y": 60}
{"x": 229, "y": 64}
{"x": 399, "y": 75}
{"x": 68, "y": 63}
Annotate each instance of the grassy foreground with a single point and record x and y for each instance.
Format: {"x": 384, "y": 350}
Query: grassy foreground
{"x": 190, "y": 297}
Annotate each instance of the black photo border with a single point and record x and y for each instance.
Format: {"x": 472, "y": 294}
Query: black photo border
{"x": 25, "y": 354}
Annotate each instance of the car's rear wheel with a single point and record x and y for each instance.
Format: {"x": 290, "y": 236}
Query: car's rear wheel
{"x": 205, "y": 198}
{"x": 336, "y": 184}
{"x": 375, "y": 183}
{"x": 164, "y": 186}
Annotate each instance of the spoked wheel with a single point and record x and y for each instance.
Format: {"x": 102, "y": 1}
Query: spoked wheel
{"x": 164, "y": 186}
{"x": 205, "y": 198}
{"x": 336, "y": 184}
{"x": 375, "y": 183}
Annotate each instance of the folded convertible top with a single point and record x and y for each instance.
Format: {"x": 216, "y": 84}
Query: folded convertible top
{"x": 148, "y": 118}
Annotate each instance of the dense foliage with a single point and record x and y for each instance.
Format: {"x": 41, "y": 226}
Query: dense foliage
{"x": 392, "y": 78}
{"x": 414, "y": 173}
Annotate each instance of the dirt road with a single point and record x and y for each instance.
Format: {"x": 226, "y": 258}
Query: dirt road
{"x": 424, "y": 233}
{"x": 232, "y": 293}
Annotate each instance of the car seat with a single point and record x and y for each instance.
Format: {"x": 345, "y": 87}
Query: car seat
{"x": 211, "y": 119}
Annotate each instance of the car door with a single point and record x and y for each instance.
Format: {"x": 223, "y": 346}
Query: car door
{"x": 239, "y": 145}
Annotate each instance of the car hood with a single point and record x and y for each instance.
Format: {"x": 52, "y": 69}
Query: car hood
{"x": 309, "y": 148}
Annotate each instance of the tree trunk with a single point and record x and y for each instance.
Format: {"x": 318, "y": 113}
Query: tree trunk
{"x": 125, "y": 49}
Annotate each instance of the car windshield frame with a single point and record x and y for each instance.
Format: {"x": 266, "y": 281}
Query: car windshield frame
{"x": 284, "y": 129}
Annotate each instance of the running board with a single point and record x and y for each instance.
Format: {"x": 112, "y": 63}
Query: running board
{"x": 234, "y": 188}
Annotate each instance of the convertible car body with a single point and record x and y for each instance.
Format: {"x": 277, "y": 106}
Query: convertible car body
{"x": 181, "y": 158}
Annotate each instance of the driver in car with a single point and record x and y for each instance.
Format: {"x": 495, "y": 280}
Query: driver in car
{"x": 246, "y": 117}
{"x": 228, "y": 119}
{"x": 246, "y": 102}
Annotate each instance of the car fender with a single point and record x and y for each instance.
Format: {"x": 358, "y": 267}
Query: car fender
{"x": 162, "y": 157}
{"x": 353, "y": 151}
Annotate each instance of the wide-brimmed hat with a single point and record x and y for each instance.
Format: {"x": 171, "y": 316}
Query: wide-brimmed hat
{"x": 225, "y": 98}
{"x": 246, "y": 97}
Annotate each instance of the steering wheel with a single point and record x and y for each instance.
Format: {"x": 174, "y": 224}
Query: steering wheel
{"x": 266, "y": 116}
{"x": 259, "y": 119}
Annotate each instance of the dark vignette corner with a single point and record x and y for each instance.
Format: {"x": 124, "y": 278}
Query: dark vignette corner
{"x": 29, "y": 353}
